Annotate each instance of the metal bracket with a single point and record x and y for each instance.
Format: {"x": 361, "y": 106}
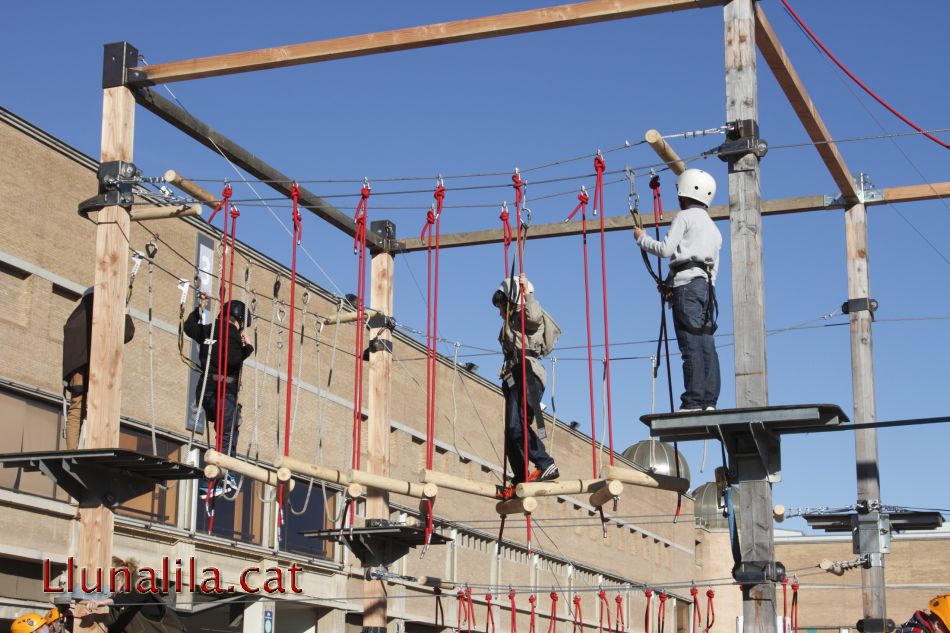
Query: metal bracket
{"x": 756, "y": 572}
{"x": 386, "y": 231}
{"x": 116, "y": 181}
{"x": 875, "y": 625}
{"x": 377, "y": 320}
{"x": 118, "y": 61}
{"x": 866, "y": 193}
{"x": 871, "y": 535}
{"x": 742, "y": 138}
{"x": 380, "y": 345}
{"x": 862, "y": 304}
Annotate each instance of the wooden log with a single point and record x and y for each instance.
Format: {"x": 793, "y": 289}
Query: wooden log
{"x": 517, "y": 506}
{"x": 665, "y": 152}
{"x": 211, "y": 471}
{"x": 396, "y": 486}
{"x": 432, "y": 581}
{"x": 349, "y": 317}
{"x": 647, "y": 480}
{"x": 606, "y": 492}
{"x": 778, "y": 512}
{"x": 166, "y": 213}
{"x": 241, "y": 467}
{"x": 355, "y": 491}
{"x": 560, "y": 487}
{"x": 414, "y": 37}
{"x": 458, "y": 483}
{"x": 194, "y": 190}
{"x": 288, "y": 466}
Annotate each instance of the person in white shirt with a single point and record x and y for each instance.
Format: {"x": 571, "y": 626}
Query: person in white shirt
{"x": 692, "y": 244}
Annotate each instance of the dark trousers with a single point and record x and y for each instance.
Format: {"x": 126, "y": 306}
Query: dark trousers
{"x": 232, "y": 418}
{"x": 700, "y": 361}
{"x": 514, "y": 427}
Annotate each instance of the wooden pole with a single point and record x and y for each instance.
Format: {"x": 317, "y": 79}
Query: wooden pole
{"x": 745, "y": 223}
{"x": 647, "y": 480}
{"x": 380, "y": 374}
{"x": 862, "y": 388}
{"x": 665, "y": 152}
{"x": 104, "y": 395}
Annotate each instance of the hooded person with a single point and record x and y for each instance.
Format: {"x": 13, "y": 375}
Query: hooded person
{"x": 693, "y": 244}
{"x": 210, "y": 339}
{"x": 77, "y": 335}
{"x": 514, "y": 296}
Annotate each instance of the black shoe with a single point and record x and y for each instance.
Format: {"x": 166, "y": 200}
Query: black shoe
{"x": 550, "y": 473}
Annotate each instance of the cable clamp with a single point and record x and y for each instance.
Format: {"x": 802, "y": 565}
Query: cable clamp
{"x": 862, "y": 304}
{"x": 116, "y": 179}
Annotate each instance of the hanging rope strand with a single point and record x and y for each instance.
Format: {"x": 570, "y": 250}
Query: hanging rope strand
{"x": 619, "y": 622}
{"x": 604, "y": 612}
{"x": 552, "y": 621}
{"x": 646, "y": 614}
{"x": 518, "y": 184}
{"x": 506, "y": 232}
{"x": 599, "y": 167}
{"x": 710, "y": 610}
{"x": 359, "y": 249}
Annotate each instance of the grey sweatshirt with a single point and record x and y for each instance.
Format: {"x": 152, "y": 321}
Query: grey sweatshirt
{"x": 510, "y": 337}
{"x": 693, "y": 236}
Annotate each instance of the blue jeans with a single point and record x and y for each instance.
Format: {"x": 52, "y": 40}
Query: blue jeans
{"x": 514, "y": 428}
{"x": 232, "y": 418}
{"x": 691, "y": 310}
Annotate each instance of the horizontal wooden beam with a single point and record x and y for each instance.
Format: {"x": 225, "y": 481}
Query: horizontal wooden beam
{"x": 610, "y": 490}
{"x": 165, "y": 212}
{"x": 216, "y": 460}
{"x": 218, "y": 143}
{"x": 666, "y": 153}
{"x": 414, "y": 37}
{"x": 460, "y": 484}
{"x": 396, "y": 486}
{"x": 647, "y": 480}
{"x": 794, "y": 89}
{"x": 910, "y": 193}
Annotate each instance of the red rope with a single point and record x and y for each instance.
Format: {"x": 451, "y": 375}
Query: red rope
{"x": 697, "y": 616}
{"x": 514, "y": 611}
{"x": 661, "y": 614}
{"x": 710, "y": 609}
{"x": 506, "y": 232}
{"x": 460, "y": 609}
{"x": 489, "y": 617}
{"x": 853, "y": 78}
{"x": 518, "y": 185}
{"x": 784, "y": 605}
{"x": 298, "y": 234}
{"x": 583, "y": 199}
{"x": 359, "y": 248}
{"x": 619, "y": 620}
{"x": 470, "y": 616}
{"x": 552, "y": 622}
{"x": 533, "y": 601}
{"x": 646, "y": 613}
{"x": 795, "y": 607}
{"x": 599, "y": 167}
{"x": 604, "y": 610}
{"x": 578, "y": 615}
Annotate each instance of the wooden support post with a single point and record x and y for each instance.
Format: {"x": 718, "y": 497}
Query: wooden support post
{"x": 862, "y": 389}
{"x": 380, "y": 374}
{"x": 104, "y": 394}
{"x": 217, "y": 460}
{"x": 647, "y": 480}
{"x": 460, "y": 484}
{"x": 665, "y": 152}
{"x": 745, "y": 223}
{"x": 607, "y": 491}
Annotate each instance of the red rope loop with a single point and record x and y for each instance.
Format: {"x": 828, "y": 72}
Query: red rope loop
{"x": 661, "y": 613}
{"x": 518, "y": 184}
{"x": 619, "y": 619}
{"x": 599, "y": 167}
{"x": 604, "y": 610}
{"x": 578, "y": 615}
{"x": 460, "y": 609}
{"x": 490, "y": 617}
{"x": 697, "y": 617}
{"x": 794, "y": 614}
{"x": 646, "y": 614}
{"x": 470, "y": 615}
{"x": 223, "y": 203}
{"x": 359, "y": 248}
{"x": 785, "y": 605}
{"x": 552, "y": 622}
{"x": 582, "y": 199}
{"x": 514, "y": 612}
{"x": 710, "y": 609}
{"x": 298, "y": 227}
{"x": 533, "y": 601}
{"x": 506, "y": 232}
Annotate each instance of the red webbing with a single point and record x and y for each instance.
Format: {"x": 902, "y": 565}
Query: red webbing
{"x": 710, "y": 609}
{"x": 646, "y": 615}
{"x": 604, "y": 610}
{"x": 599, "y": 167}
{"x": 533, "y": 601}
{"x": 794, "y": 617}
{"x": 514, "y": 611}
{"x": 661, "y": 614}
{"x": 697, "y": 617}
{"x": 552, "y": 621}
{"x": 359, "y": 248}
{"x": 489, "y": 617}
{"x": 619, "y": 622}
{"x": 578, "y": 615}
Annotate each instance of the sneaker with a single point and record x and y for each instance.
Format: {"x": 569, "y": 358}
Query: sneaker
{"x": 687, "y": 410}
{"x": 217, "y": 491}
{"x": 709, "y": 409}
{"x": 534, "y": 476}
{"x": 550, "y": 473}
{"x": 504, "y": 493}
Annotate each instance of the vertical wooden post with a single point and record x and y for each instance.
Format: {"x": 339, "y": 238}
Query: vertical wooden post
{"x": 745, "y": 224}
{"x": 104, "y": 395}
{"x": 862, "y": 388}
{"x": 380, "y": 371}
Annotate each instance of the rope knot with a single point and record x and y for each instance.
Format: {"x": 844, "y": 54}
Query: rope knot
{"x": 365, "y": 190}
{"x": 710, "y": 594}
{"x": 554, "y": 597}
{"x": 583, "y": 197}
{"x": 655, "y": 182}
{"x": 693, "y": 591}
{"x": 235, "y": 214}
{"x": 648, "y": 593}
{"x": 532, "y": 600}
{"x": 504, "y": 215}
{"x": 439, "y": 194}
{"x": 599, "y": 164}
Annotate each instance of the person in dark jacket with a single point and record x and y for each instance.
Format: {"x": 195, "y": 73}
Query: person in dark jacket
{"x": 77, "y": 335}
{"x": 209, "y": 339}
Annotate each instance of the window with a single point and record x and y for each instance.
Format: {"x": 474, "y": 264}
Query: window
{"x": 161, "y": 504}
{"x": 28, "y": 425}
{"x": 238, "y": 518}
{"x": 304, "y": 512}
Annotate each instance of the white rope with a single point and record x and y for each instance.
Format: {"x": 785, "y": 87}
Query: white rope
{"x": 303, "y": 324}
{"x": 150, "y": 345}
{"x": 553, "y": 402}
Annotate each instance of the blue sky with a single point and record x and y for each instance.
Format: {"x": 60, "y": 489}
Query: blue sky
{"x": 493, "y": 105}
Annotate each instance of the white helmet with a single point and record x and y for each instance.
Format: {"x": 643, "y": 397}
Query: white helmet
{"x": 697, "y": 185}
{"x": 510, "y": 291}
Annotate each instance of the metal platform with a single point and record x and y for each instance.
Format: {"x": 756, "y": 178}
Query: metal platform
{"x": 713, "y": 425}
{"x": 95, "y": 477}
{"x": 380, "y": 542}
{"x": 899, "y": 521}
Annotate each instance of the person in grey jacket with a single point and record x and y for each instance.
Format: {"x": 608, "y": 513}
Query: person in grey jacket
{"x": 515, "y": 294}
{"x": 692, "y": 244}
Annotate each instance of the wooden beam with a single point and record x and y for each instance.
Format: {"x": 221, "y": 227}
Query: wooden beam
{"x": 104, "y": 391}
{"x": 665, "y": 152}
{"x": 287, "y": 466}
{"x": 559, "y": 487}
{"x": 794, "y": 89}
{"x": 273, "y": 178}
{"x": 414, "y": 37}
{"x": 166, "y": 213}
{"x": 193, "y": 189}
{"x": 396, "y": 486}
{"x": 647, "y": 480}
{"x": 460, "y": 484}
{"x": 516, "y": 506}
{"x": 910, "y": 193}
{"x": 609, "y": 490}
{"x": 217, "y": 460}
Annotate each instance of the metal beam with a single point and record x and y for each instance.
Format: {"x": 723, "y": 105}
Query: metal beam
{"x": 201, "y": 132}
{"x": 791, "y": 84}
{"x": 910, "y": 193}
{"x": 413, "y": 37}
